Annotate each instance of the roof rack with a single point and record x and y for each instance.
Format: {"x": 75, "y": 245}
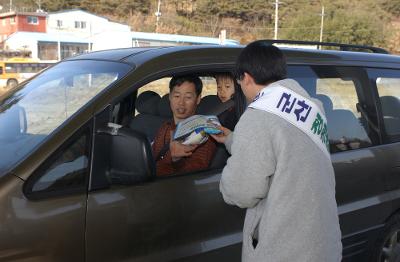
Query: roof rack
{"x": 343, "y": 47}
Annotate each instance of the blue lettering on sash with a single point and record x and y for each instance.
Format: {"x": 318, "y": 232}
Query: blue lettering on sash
{"x": 258, "y": 96}
{"x": 288, "y": 104}
{"x": 300, "y": 110}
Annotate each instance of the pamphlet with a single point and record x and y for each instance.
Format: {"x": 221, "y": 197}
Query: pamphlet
{"x": 196, "y": 129}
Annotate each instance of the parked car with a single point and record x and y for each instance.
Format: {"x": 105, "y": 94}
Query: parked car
{"x": 77, "y": 175}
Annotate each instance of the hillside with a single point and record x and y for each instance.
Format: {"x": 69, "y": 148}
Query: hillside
{"x": 370, "y": 22}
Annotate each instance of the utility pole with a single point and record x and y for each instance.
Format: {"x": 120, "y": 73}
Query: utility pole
{"x": 158, "y": 15}
{"x": 276, "y": 19}
{"x": 222, "y": 37}
{"x": 322, "y": 23}
{"x": 10, "y": 5}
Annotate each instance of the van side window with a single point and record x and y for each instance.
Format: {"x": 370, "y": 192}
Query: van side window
{"x": 339, "y": 89}
{"x": 388, "y": 86}
{"x": 64, "y": 172}
{"x": 153, "y": 111}
{"x": 152, "y": 106}
{"x": 161, "y": 87}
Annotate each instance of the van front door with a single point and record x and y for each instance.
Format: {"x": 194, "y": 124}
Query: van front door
{"x": 171, "y": 218}
{"x": 182, "y": 217}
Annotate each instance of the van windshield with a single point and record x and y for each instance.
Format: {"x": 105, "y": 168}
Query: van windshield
{"x": 33, "y": 111}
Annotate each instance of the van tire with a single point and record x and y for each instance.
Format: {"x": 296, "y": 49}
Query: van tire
{"x": 387, "y": 246}
{"x": 11, "y": 83}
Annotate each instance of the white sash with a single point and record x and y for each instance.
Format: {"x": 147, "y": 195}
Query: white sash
{"x": 297, "y": 110}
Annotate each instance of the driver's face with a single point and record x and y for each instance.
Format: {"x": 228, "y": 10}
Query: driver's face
{"x": 183, "y": 100}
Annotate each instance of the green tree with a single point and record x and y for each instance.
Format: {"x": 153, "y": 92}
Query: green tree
{"x": 392, "y": 6}
{"x": 301, "y": 27}
{"x": 244, "y": 10}
{"x": 343, "y": 25}
{"x": 357, "y": 28}
{"x": 56, "y": 5}
{"x": 129, "y": 8}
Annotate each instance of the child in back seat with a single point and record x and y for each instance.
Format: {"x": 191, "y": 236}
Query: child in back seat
{"x": 225, "y": 92}
{"x": 225, "y": 87}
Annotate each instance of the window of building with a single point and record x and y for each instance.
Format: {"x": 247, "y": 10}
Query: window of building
{"x": 73, "y": 49}
{"x": 3, "y": 21}
{"x": 80, "y": 24}
{"x": 12, "y": 20}
{"x": 388, "y": 87}
{"x": 339, "y": 89}
{"x": 33, "y": 20}
{"x": 47, "y": 50}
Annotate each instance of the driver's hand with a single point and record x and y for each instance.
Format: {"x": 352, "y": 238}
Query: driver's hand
{"x": 178, "y": 150}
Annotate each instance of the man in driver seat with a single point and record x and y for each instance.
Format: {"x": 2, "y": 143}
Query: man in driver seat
{"x": 171, "y": 156}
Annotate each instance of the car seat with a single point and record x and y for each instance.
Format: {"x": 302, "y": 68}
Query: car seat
{"x": 344, "y": 128}
{"x": 210, "y": 105}
{"x": 148, "y": 120}
{"x": 164, "y": 109}
{"x": 207, "y": 104}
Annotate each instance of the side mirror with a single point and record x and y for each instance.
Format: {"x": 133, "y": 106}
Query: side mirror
{"x": 130, "y": 156}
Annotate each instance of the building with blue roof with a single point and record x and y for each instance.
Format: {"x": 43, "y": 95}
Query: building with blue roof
{"x": 72, "y": 32}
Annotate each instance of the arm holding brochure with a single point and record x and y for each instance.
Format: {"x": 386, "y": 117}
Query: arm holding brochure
{"x": 180, "y": 158}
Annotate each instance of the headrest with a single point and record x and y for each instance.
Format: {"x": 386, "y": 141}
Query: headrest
{"x": 164, "y": 109}
{"x": 207, "y": 104}
{"x": 390, "y": 106}
{"x": 147, "y": 103}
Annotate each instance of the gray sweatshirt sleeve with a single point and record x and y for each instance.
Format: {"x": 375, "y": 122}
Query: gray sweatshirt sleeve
{"x": 245, "y": 178}
{"x": 228, "y": 142}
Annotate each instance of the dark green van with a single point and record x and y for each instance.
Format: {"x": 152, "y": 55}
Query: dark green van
{"x": 77, "y": 175}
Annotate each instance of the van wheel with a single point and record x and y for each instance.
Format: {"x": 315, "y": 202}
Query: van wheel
{"x": 387, "y": 247}
{"x": 11, "y": 83}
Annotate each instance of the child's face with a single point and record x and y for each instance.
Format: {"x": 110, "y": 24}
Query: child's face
{"x": 225, "y": 88}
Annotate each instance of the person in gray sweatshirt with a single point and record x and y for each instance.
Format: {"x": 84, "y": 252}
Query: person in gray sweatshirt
{"x": 280, "y": 167}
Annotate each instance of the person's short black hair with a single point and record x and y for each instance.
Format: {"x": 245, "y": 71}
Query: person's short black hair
{"x": 179, "y": 80}
{"x": 264, "y": 62}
